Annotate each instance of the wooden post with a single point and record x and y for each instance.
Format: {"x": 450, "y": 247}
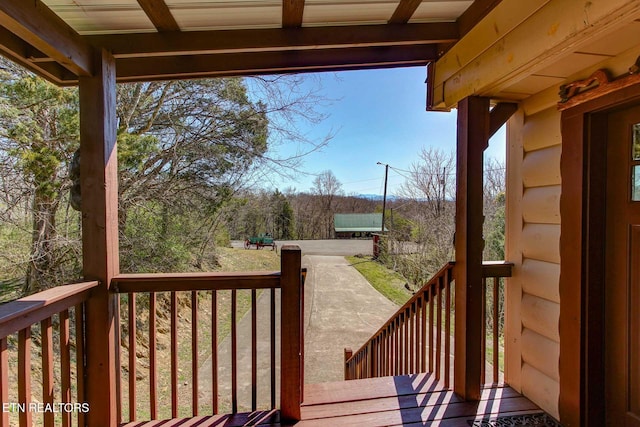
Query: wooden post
{"x": 292, "y": 339}
{"x": 99, "y": 187}
{"x": 348, "y": 352}
{"x": 473, "y": 135}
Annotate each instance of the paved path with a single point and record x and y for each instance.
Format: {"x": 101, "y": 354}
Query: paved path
{"x": 341, "y": 310}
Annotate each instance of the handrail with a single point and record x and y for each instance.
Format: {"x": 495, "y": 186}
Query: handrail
{"x": 176, "y": 282}
{"x": 19, "y": 314}
{"x": 411, "y": 301}
{"x": 406, "y": 343}
{"x": 413, "y": 335}
{"x": 34, "y": 314}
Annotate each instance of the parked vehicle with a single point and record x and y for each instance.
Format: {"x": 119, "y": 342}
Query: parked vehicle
{"x": 260, "y": 241}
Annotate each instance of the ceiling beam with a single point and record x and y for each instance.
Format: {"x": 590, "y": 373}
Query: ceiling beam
{"x": 474, "y": 14}
{"x": 292, "y": 11}
{"x": 404, "y": 11}
{"x": 235, "y": 64}
{"x": 159, "y": 14}
{"x": 272, "y": 40}
{"x": 37, "y": 25}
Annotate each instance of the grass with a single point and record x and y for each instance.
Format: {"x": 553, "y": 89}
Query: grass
{"x": 386, "y": 281}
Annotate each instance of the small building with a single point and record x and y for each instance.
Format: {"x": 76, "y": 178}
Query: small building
{"x": 350, "y": 226}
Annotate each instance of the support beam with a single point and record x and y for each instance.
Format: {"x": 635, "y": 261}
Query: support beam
{"x": 37, "y": 25}
{"x": 274, "y": 39}
{"x": 292, "y": 11}
{"x": 515, "y": 41}
{"x": 160, "y": 15}
{"x": 232, "y": 64}
{"x": 404, "y": 11}
{"x": 473, "y": 136}
{"x": 99, "y": 188}
{"x": 499, "y": 116}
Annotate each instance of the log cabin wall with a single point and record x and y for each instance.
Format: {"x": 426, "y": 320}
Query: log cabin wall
{"x": 533, "y": 243}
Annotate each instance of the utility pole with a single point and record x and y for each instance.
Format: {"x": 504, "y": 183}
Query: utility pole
{"x": 384, "y": 197}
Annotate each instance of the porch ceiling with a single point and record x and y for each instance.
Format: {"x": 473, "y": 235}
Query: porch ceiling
{"x": 167, "y": 39}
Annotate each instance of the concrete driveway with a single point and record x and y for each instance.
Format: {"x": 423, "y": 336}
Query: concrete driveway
{"x": 341, "y": 310}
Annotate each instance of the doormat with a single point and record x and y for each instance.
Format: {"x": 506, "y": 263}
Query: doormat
{"x": 530, "y": 420}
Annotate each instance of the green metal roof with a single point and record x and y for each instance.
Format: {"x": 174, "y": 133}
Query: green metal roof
{"x": 371, "y": 222}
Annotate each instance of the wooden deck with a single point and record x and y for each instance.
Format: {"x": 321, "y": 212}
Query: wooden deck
{"x": 412, "y": 400}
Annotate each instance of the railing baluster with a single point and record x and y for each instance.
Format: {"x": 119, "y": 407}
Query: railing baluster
{"x": 79, "y": 327}
{"x": 496, "y": 331}
{"x": 24, "y": 374}
{"x": 47, "y": 369}
{"x": 4, "y": 380}
{"x": 214, "y": 351}
{"x": 272, "y": 333}
{"x": 439, "y": 285}
{"x": 153, "y": 369}
{"x": 118, "y": 358}
{"x": 194, "y": 352}
{"x": 447, "y": 338}
{"x": 234, "y": 353}
{"x": 483, "y": 333}
{"x": 133, "y": 405}
{"x": 174, "y": 354}
{"x": 254, "y": 352}
{"x": 431, "y": 340}
{"x": 411, "y": 339}
{"x": 423, "y": 332}
{"x": 65, "y": 365}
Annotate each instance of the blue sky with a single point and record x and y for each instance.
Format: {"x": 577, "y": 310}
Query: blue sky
{"x": 377, "y": 116}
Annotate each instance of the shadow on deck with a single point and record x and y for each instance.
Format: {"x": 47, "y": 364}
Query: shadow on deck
{"x": 409, "y": 400}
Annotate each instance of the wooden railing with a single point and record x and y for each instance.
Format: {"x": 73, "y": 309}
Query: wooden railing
{"x": 148, "y": 296}
{"x": 493, "y": 273}
{"x": 415, "y": 339}
{"x": 418, "y": 337}
{"x": 40, "y": 320}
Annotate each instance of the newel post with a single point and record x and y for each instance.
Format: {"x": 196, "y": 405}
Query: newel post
{"x": 292, "y": 339}
{"x": 99, "y": 192}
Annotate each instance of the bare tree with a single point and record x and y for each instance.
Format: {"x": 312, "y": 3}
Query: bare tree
{"x": 327, "y": 187}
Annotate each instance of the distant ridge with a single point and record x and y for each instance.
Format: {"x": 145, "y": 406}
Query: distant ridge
{"x": 375, "y": 197}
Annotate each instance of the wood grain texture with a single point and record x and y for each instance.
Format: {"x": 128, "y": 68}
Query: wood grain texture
{"x": 35, "y": 23}
{"x": 542, "y": 167}
{"x": 541, "y": 353}
{"x": 541, "y": 389}
{"x": 100, "y": 260}
{"x": 175, "y": 282}
{"x": 404, "y": 11}
{"x": 541, "y": 130}
{"x": 541, "y": 316}
{"x": 542, "y": 205}
{"x": 292, "y": 12}
{"x": 159, "y": 14}
{"x": 472, "y": 139}
{"x": 541, "y": 242}
{"x": 19, "y": 314}
{"x": 541, "y": 279}
{"x": 292, "y": 337}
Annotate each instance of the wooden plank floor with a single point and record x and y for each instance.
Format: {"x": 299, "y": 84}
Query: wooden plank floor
{"x": 412, "y": 400}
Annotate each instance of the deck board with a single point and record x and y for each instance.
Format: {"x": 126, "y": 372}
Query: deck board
{"x": 410, "y": 400}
